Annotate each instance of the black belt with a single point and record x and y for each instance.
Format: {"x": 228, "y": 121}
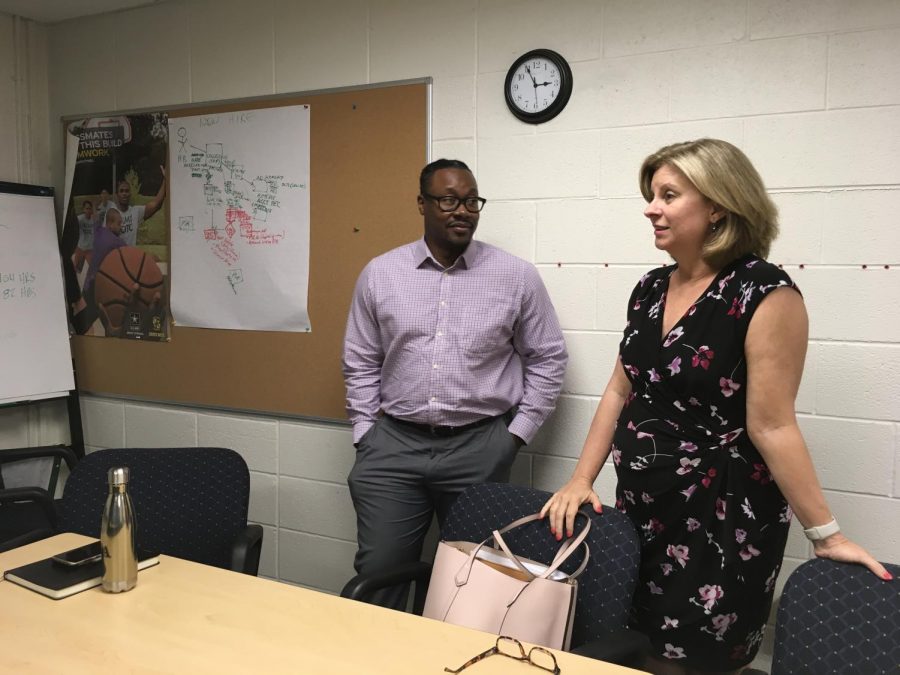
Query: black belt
{"x": 436, "y": 430}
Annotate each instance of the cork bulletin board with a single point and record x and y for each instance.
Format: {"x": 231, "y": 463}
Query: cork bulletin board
{"x": 367, "y": 146}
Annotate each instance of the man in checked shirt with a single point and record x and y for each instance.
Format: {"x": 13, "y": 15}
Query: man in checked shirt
{"x": 453, "y": 358}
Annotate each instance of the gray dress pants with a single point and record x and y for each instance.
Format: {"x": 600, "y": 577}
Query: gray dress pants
{"x": 403, "y": 475}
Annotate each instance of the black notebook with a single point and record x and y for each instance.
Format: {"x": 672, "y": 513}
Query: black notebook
{"x": 59, "y": 581}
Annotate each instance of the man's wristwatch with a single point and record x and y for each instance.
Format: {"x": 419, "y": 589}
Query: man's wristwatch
{"x": 822, "y": 531}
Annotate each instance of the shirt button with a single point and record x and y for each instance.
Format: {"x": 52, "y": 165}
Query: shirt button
{"x": 434, "y": 365}
{"x": 443, "y": 303}
{"x": 433, "y": 399}
{"x": 440, "y": 333}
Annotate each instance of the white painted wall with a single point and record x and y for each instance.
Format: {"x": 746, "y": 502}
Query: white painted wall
{"x": 810, "y": 89}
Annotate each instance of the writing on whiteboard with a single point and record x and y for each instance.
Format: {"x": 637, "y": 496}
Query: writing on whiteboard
{"x": 18, "y": 285}
{"x": 35, "y": 359}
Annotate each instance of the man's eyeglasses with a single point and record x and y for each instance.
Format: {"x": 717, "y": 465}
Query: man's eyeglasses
{"x": 449, "y": 203}
{"x": 507, "y": 646}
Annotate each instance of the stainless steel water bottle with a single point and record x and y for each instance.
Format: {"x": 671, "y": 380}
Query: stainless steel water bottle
{"x": 117, "y": 531}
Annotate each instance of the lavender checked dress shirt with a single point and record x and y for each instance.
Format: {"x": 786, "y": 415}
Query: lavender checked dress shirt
{"x": 451, "y": 346}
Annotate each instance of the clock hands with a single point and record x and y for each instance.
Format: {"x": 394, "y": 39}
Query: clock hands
{"x": 533, "y": 82}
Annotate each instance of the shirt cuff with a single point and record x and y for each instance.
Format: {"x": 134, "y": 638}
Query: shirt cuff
{"x": 360, "y": 429}
{"x": 524, "y": 428}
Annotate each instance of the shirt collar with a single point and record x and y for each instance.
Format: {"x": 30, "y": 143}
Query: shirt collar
{"x": 467, "y": 259}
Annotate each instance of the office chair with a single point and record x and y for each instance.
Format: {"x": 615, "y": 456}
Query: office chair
{"x": 30, "y": 513}
{"x": 604, "y": 588}
{"x": 838, "y": 619}
{"x": 189, "y": 503}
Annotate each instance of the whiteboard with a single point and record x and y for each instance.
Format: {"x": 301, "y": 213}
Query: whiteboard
{"x": 35, "y": 358}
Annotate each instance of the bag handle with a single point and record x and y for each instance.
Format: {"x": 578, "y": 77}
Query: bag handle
{"x": 565, "y": 551}
{"x": 568, "y": 547}
{"x": 587, "y": 554}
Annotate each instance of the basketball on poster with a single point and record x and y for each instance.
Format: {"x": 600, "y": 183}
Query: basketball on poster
{"x": 127, "y": 280}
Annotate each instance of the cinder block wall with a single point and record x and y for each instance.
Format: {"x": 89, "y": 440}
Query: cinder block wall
{"x": 810, "y": 89}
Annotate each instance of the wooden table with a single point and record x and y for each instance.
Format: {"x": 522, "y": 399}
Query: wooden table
{"x": 184, "y": 617}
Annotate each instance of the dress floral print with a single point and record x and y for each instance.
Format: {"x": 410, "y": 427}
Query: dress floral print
{"x": 713, "y": 523}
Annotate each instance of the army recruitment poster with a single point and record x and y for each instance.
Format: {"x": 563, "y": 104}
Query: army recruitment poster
{"x": 115, "y": 237}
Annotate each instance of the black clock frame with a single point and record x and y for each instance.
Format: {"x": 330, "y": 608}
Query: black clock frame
{"x": 565, "y": 87}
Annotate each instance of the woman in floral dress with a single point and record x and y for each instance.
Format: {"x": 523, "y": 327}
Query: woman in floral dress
{"x": 699, "y": 417}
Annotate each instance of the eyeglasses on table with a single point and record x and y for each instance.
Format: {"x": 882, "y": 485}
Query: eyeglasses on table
{"x": 512, "y": 648}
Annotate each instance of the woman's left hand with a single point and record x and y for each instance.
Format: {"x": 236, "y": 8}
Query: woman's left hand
{"x": 840, "y": 549}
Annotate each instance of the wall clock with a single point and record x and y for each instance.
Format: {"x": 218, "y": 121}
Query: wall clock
{"x": 538, "y": 86}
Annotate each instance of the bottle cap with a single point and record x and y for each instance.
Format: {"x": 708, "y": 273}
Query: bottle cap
{"x": 118, "y": 475}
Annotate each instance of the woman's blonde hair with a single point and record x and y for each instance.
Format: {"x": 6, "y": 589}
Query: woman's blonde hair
{"x": 725, "y": 176}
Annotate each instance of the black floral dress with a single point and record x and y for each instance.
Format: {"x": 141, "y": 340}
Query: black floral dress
{"x": 713, "y": 524}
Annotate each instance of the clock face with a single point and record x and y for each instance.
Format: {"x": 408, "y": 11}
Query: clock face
{"x": 535, "y": 85}
{"x": 538, "y": 86}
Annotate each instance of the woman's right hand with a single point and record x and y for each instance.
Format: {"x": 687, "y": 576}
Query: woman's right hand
{"x": 564, "y": 504}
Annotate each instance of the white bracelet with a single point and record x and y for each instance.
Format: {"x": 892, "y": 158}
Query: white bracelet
{"x": 822, "y": 531}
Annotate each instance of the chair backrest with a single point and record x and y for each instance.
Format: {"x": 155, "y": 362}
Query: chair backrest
{"x": 189, "y": 502}
{"x": 837, "y": 618}
{"x": 607, "y": 584}
{"x": 27, "y": 509}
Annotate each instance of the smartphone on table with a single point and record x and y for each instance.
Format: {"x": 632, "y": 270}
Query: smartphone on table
{"x": 83, "y": 555}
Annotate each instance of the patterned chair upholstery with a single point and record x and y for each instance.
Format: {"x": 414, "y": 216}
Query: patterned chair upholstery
{"x": 605, "y": 587}
{"x": 837, "y": 619}
{"x": 189, "y": 503}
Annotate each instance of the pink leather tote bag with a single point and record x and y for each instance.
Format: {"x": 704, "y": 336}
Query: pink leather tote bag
{"x": 494, "y": 590}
